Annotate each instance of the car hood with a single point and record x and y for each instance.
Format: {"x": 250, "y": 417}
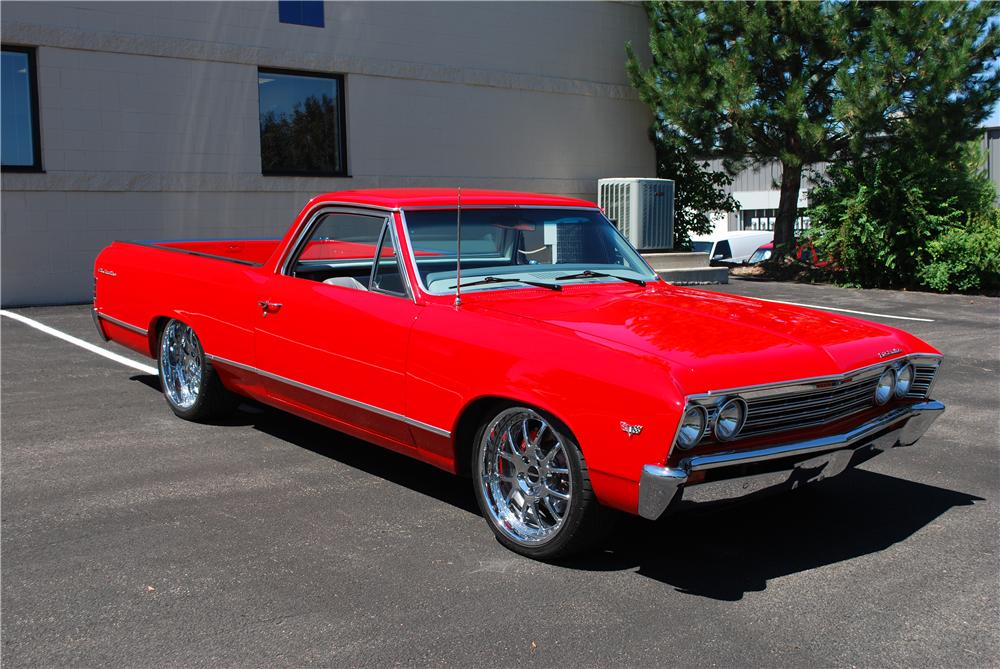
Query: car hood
{"x": 712, "y": 341}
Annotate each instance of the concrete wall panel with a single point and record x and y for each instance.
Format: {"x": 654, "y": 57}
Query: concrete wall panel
{"x": 149, "y": 115}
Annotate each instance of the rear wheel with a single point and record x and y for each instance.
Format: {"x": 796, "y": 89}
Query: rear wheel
{"x": 532, "y": 485}
{"x": 190, "y": 384}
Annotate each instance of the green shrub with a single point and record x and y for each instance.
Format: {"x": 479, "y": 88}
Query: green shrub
{"x": 966, "y": 260}
{"x": 903, "y": 217}
{"x": 698, "y": 191}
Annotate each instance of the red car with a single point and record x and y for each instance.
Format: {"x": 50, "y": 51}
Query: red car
{"x": 556, "y": 369}
{"x": 804, "y": 252}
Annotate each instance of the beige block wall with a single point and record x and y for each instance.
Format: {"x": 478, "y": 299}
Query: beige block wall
{"x": 149, "y": 116}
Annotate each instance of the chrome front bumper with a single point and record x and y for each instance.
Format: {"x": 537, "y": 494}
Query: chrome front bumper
{"x": 736, "y": 474}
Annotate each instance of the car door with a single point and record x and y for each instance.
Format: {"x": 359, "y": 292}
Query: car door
{"x": 334, "y": 325}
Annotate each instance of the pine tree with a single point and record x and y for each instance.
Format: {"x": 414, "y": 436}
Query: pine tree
{"x": 698, "y": 190}
{"x": 805, "y": 82}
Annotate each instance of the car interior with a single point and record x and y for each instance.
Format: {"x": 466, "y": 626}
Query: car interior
{"x": 342, "y": 249}
{"x": 341, "y": 252}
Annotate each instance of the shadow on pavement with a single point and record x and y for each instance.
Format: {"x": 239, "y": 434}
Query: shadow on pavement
{"x": 383, "y": 463}
{"x": 721, "y": 553}
{"x": 729, "y": 551}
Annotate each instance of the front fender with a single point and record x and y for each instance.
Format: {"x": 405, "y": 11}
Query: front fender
{"x": 458, "y": 357}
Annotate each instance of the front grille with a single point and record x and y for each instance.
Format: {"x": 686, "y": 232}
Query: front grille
{"x": 804, "y": 409}
{"x": 923, "y": 377}
{"x": 813, "y": 402}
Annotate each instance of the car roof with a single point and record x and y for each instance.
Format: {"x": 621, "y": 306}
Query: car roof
{"x": 397, "y": 198}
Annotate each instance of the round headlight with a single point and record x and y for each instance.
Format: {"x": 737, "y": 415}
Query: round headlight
{"x": 886, "y": 386}
{"x": 692, "y": 427}
{"x": 729, "y": 422}
{"x": 904, "y": 379}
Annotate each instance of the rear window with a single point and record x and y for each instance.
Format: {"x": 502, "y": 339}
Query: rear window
{"x": 701, "y": 247}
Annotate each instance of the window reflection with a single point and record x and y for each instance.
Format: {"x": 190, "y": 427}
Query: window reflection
{"x": 18, "y": 143}
{"x": 301, "y": 124}
{"x": 763, "y": 219}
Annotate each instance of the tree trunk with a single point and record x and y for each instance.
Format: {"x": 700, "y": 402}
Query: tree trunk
{"x": 788, "y": 210}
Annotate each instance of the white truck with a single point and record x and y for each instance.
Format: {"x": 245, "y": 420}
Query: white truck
{"x": 730, "y": 248}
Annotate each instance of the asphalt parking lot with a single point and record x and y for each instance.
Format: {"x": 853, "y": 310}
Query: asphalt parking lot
{"x": 132, "y": 538}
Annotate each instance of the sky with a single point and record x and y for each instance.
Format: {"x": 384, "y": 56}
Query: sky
{"x": 994, "y": 118}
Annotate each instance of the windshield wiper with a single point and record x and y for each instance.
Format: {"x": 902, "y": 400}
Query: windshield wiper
{"x": 591, "y": 274}
{"x": 498, "y": 279}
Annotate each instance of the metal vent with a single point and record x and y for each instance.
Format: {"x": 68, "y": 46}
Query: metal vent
{"x": 643, "y": 210}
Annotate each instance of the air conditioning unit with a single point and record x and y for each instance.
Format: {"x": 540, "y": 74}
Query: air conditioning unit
{"x": 643, "y": 209}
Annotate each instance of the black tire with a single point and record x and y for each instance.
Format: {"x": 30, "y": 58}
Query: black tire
{"x": 194, "y": 397}
{"x": 584, "y": 522}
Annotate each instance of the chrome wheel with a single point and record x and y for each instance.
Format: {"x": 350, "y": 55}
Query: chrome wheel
{"x": 181, "y": 364}
{"x": 524, "y": 476}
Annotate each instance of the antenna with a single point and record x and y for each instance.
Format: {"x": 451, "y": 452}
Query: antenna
{"x": 458, "y": 251}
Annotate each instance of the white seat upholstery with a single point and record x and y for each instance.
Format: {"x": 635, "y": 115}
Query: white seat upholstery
{"x": 346, "y": 282}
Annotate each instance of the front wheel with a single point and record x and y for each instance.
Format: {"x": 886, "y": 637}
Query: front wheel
{"x": 190, "y": 384}
{"x": 532, "y": 485}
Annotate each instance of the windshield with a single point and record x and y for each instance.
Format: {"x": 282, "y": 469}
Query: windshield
{"x": 513, "y": 243}
{"x": 701, "y": 247}
{"x": 760, "y": 255}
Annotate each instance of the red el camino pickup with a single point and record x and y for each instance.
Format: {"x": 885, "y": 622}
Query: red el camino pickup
{"x": 552, "y": 365}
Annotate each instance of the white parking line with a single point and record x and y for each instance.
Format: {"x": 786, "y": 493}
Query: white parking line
{"x": 152, "y": 370}
{"x": 851, "y": 311}
{"x": 78, "y": 342}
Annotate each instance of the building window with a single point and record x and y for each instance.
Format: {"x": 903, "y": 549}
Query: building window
{"x": 301, "y": 12}
{"x": 302, "y": 127}
{"x": 19, "y": 144}
{"x": 763, "y": 219}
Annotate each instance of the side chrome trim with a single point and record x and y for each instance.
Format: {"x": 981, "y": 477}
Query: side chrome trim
{"x": 173, "y": 249}
{"x": 232, "y": 363}
{"x": 333, "y": 396}
{"x": 97, "y": 324}
{"x": 400, "y": 259}
{"x": 120, "y": 323}
{"x": 356, "y": 205}
{"x": 409, "y": 252}
{"x": 390, "y": 227}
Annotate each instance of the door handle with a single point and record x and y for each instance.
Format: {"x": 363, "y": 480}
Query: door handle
{"x": 268, "y": 307}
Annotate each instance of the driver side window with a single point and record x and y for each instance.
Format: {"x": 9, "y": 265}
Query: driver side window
{"x": 387, "y": 275}
{"x": 341, "y": 250}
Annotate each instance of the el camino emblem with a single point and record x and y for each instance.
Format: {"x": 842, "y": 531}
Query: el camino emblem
{"x": 892, "y": 351}
{"x": 630, "y": 430}
{"x": 109, "y": 272}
